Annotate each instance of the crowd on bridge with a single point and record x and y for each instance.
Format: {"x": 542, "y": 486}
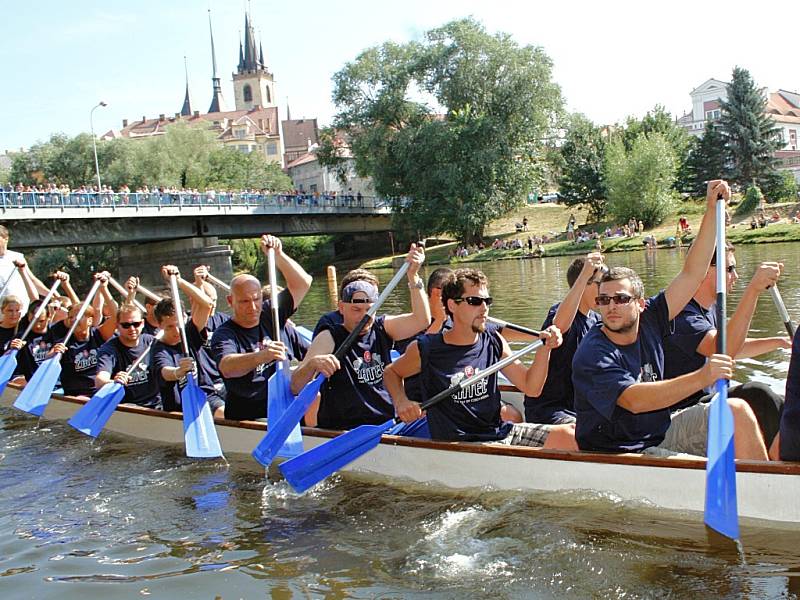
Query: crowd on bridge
{"x": 89, "y": 196}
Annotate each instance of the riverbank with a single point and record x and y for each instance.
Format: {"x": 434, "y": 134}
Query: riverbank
{"x": 550, "y": 220}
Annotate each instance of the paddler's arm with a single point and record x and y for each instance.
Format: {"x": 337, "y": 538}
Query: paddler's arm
{"x": 66, "y": 286}
{"x": 531, "y": 380}
{"x": 25, "y": 274}
{"x": 319, "y": 359}
{"x": 656, "y": 395}
{"x": 685, "y": 284}
{"x": 759, "y": 346}
{"x": 298, "y": 282}
{"x": 393, "y": 376}
{"x": 239, "y": 365}
{"x": 568, "y": 308}
{"x": 201, "y": 303}
{"x": 402, "y": 327}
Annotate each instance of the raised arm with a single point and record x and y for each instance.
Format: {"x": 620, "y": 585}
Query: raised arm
{"x": 568, "y": 308}
{"x": 109, "y": 308}
{"x": 685, "y": 284}
{"x": 25, "y": 274}
{"x": 66, "y": 286}
{"x": 298, "y": 282}
{"x": 530, "y": 380}
{"x": 201, "y": 304}
{"x": 401, "y": 327}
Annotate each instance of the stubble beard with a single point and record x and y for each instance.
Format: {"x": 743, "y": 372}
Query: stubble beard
{"x": 624, "y": 327}
{"x": 478, "y": 328}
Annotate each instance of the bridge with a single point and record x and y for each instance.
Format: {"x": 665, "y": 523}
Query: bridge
{"x": 180, "y": 228}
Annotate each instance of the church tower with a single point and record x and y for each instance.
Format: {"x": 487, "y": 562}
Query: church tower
{"x": 253, "y": 84}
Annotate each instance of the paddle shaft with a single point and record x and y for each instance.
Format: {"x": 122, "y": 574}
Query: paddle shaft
{"x": 514, "y": 327}
{"x": 176, "y": 304}
{"x": 144, "y": 354}
{"x": 784, "y": 314}
{"x": 218, "y": 282}
{"x": 722, "y": 287}
{"x": 351, "y": 338}
{"x": 152, "y": 295}
{"x": 118, "y": 286}
{"x": 8, "y": 281}
{"x": 41, "y": 309}
{"x": 273, "y": 287}
{"x": 501, "y": 364}
{"x": 84, "y": 306}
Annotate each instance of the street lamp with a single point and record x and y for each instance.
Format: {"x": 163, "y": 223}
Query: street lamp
{"x": 94, "y": 143}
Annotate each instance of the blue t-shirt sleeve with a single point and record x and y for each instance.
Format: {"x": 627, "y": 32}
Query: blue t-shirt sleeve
{"x": 106, "y": 358}
{"x": 600, "y": 377}
{"x": 161, "y": 357}
{"x": 690, "y": 327}
{"x": 657, "y": 312}
{"x": 223, "y": 342}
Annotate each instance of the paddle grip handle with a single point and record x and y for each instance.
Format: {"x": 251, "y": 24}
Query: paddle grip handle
{"x": 118, "y": 286}
{"x": 42, "y": 308}
{"x": 176, "y": 303}
{"x": 84, "y": 306}
{"x": 514, "y": 327}
{"x": 501, "y": 364}
{"x": 784, "y": 314}
{"x": 351, "y": 338}
{"x": 218, "y": 282}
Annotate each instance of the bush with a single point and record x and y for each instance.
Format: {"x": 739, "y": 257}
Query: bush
{"x": 780, "y": 187}
{"x": 752, "y": 198}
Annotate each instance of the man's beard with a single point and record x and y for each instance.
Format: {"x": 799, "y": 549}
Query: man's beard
{"x": 480, "y": 328}
{"x": 624, "y": 327}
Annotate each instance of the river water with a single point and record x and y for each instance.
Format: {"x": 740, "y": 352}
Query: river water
{"x": 122, "y": 518}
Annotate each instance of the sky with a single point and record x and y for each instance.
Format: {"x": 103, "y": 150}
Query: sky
{"x": 612, "y": 59}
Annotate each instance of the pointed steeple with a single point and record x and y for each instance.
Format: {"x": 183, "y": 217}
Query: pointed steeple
{"x": 186, "y": 110}
{"x": 261, "y": 56}
{"x": 217, "y": 104}
{"x": 288, "y": 110}
{"x": 241, "y": 59}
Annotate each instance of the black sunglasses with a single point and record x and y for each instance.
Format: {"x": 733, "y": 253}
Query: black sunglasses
{"x": 360, "y": 301}
{"x": 729, "y": 268}
{"x": 617, "y": 298}
{"x": 129, "y": 324}
{"x": 475, "y": 300}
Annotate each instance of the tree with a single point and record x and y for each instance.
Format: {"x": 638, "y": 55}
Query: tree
{"x": 780, "y": 186}
{"x": 639, "y": 181}
{"x": 457, "y": 123}
{"x": 750, "y": 134}
{"x": 708, "y": 159}
{"x": 231, "y": 169}
{"x": 581, "y": 179}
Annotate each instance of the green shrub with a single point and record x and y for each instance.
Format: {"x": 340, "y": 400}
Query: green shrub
{"x": 752, "y": 198}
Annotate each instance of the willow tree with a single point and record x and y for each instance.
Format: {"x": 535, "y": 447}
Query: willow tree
{"x": 457, "y": 123}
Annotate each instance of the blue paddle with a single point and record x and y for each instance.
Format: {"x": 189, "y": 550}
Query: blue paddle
{"x": 8, "y": 362}
{"x": 721, "y": 513}
{"x": 279, "y": 393}
{"x": 305, "y": 333}
{"x": 199, "y": 433}
{"x": 318, "y": 463}
{"x": 34, "y": 397}
{"x": 94, "y": 415}
{"x": 271, "y": 444}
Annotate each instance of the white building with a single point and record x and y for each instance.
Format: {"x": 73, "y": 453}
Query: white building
{"x": 308, "y": 176}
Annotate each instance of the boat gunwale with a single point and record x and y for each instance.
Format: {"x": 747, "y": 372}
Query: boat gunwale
{"x": 627, "y": 459}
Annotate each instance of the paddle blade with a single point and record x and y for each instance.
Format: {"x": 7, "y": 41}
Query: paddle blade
{"x": 199, "y": 432}
{"x": 721, "y": 513}
{"x": 313, "y": 466}
{"x": 34, "y": 398}
{"x": 416, "y": 429}
{"x": 8, "y": 364}
{"x": 278, "y": 433}
{"x": 304, "y": 333}
{"x": 94, "y": 415}
{"x": 279, "y": 397}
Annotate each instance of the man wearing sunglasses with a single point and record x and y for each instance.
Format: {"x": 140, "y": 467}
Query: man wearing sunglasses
{"x": 695, "y": 337}
{"x": 354, "y": 393}
{"x": 119, "y": 353}
{"x": 443, "y": 359}
{"x": 622, "y": 399}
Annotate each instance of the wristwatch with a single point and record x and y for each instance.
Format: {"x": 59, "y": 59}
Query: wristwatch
{"x": 416, "y": 284}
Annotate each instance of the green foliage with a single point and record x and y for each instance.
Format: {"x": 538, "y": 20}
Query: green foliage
{"x": 474, "y": 149}
{"x": 639, "y": 181}
{"x": 581, "y": 174}
{"x": 780, "y": 186}
{"x": 312, "y": 252}
{"x": 752, "y": 198}
{"x": 660, "y": 121}
{"x": 79, "y": 261}
{"x": 750, "y": 134}
{"x": 708, "y": 159}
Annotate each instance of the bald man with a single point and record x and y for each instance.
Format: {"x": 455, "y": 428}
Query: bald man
{"x": 244, "y": 347}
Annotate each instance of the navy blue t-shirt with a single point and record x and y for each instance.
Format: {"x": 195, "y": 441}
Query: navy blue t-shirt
{"x": 142, "y": 388}
{"x": 355, "y": 395}
{"x": 790, "y": 420}
{"x": 247, "y": 395}
{"x": 150, "y": 329}
{"x": 58, "y": 331}
{"x": 79, "y": 364}
{"x": 557, "y": 397}
{"x": 473, "y": 414}
{"x": 6, "y": 335}
{"x": 680, "y": 348}
{"x": 33, "y": 353}
{"x": 602, "y": 371}
{"x": 327, "y": 321}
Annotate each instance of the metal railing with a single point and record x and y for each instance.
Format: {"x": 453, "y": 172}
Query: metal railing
{"x": 10, "y": 200}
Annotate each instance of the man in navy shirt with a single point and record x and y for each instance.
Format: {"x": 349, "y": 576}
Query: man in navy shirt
{"x": 245, "y": 347}
{"x": 442, "y": 359}
{"x": 695, "y": 337}
{"x": 354, "y": 393}
{"x": 622, "y": 400}
{"x": 119, "y": 353}
{"x": 788, "y": 443}
{"x": 574, "y": 317}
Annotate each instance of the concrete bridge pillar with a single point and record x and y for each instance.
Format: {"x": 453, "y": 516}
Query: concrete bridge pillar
{"x": 146, "y": 260}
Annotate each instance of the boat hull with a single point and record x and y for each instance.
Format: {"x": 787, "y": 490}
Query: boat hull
{"x": 766, "y": 491}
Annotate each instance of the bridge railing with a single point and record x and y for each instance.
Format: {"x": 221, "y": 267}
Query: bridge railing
{"x": 10, "y": 200}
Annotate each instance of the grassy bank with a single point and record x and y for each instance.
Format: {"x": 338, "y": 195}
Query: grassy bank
{"x": 551, "y": 219}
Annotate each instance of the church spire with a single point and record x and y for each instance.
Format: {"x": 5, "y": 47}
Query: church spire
{"x": 217, "y": 104}
{"x": 261, "y": 56}
{"x": 186, "y": 110}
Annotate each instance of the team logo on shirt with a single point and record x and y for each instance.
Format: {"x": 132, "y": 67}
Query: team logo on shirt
{"x": 647, "y": 373}
{"x": 85, "y": 360}
{"x": 369, "y": 368}
{"x": 40, "y": 352}
{"x": 261, "y": 346}
{"x": 474, "y": 393}
{"x": 140, "y": 374}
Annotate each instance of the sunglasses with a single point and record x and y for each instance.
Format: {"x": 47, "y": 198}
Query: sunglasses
{"x": 617, "y": 298}
{"x": 360, "y": 301}
{"x": 729, "y": 268}
{"x": 475, "y": 300}
{"x": 129, "y": 324}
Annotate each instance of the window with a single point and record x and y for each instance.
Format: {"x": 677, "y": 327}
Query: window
{"x": 793, "y": 138}
{"x": 243, "y": 148}
{"x": 712, "y": 115}
{"x": 239, "y": 133}
{"x": 272, "y": 149}
{"x": 247, "y": 92}
{"x": 269, "y": 97}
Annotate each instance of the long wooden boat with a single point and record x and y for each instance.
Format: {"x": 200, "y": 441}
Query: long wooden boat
{"x": 766, "y": 491}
